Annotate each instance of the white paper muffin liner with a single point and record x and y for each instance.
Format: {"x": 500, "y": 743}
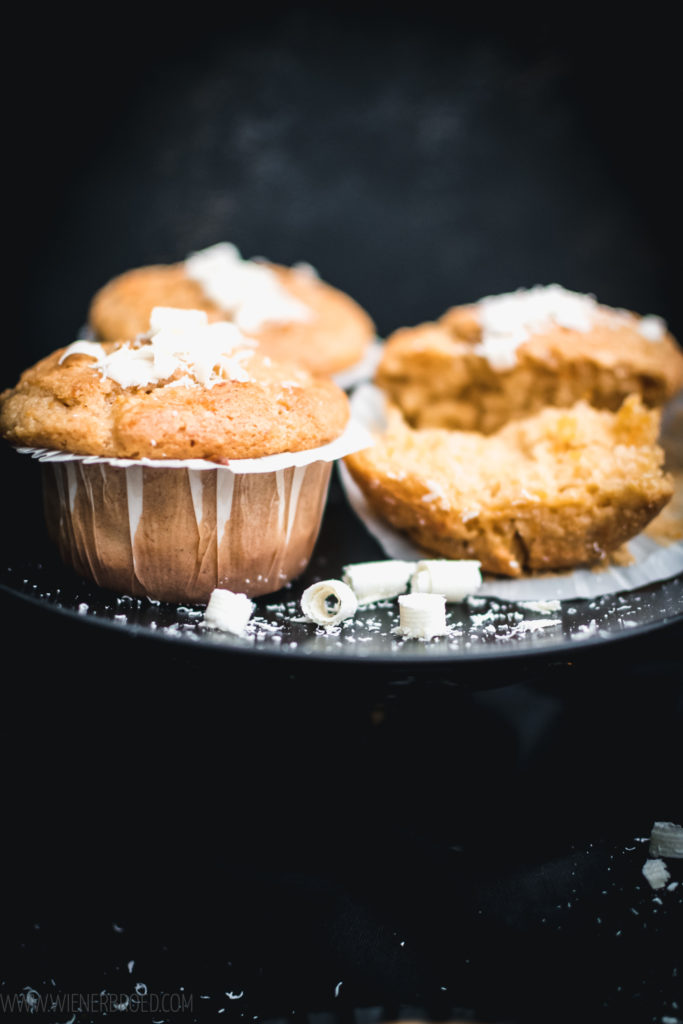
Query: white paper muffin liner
{"x": 174, "y": 530}
{"x": 652, "y": 561}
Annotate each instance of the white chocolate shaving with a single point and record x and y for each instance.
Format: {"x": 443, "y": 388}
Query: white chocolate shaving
{"x": 653, "y": 328}
{"x": 85, "y": 348}
{"x": 378, "y": 581}
{"x": 666, "y": 840}
{"x": 456, "y": 579}
{"x": 173, "y": 319}
{"x": 551, "y": 605}
{"x": 181, "y": 341}
{"x": 228, "y": 611}
{"x": 656, "y": 873}
{"x": 510, "y": 319}
{"x": 422, "y": 616}
{"x": 247, "y": 289}
{"x": 328, "y": 602}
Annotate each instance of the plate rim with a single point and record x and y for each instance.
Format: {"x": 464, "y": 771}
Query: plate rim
{"x": 396, "y": 658}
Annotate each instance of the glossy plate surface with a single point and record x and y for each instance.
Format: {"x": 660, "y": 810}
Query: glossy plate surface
{"x": 481, "y": 629}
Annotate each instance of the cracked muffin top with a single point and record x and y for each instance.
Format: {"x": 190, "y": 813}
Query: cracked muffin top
{"x": 508, "y": 356}
{"x": 187, "y": 389}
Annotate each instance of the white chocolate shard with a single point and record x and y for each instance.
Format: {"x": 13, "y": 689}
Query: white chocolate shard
{"x": 655, "y": 871}
{"x": 456, "y": 579}
{"x": 666, "y": 840}
{"x": 508, "y": 320}
{"x": 84, "y": 348}
{"x": 170, "y": 318}
{"x": 247, "y": 289}
{"x": 228, "y": 611}
{"x": 549, "y": 605}
{"x": 328, "y": 602}
{"x": 378, "y": 581}
{"x": 181, "y": 342}
{"x": 652, "y": 328}
{"x": 422, "y": 616}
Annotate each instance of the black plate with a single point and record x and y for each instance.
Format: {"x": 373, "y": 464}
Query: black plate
{"x": 32, "y": 571}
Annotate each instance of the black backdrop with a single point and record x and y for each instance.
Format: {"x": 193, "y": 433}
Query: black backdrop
{"x": 266, "y": 834}
{"x": 418, "y": 160}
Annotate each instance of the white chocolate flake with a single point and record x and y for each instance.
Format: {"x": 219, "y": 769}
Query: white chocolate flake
{"x": 247, "y": 289}
{"x": 173, "y": 319}
{"x": 182, "y": 341}
{"x": 228, "y": 611}
{"x": 655, "y": 871}
{"x": 510, "y": 319}
{"x": 652, "y": 328}
{"x": 666, "y": 840}
{"x": 551, "y": 605}
{"x": 85, "y": 348}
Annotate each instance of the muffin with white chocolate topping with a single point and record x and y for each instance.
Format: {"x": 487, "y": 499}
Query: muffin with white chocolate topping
{"x": 508, "y": 356}
{"x": 182, "y": 461}
{"x": 293, "y": 314}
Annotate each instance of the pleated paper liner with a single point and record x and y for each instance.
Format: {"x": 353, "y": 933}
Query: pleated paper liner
{"x": 173, "y": 530}
{"x": 654, "y": 555}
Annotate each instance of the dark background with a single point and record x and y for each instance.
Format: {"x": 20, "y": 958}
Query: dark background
{"x": 417, "y": 159}
{"x": 281, "y": 834}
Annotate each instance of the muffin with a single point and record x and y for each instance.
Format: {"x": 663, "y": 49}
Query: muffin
{"x": 181, "y": 461}
{"x": 557, "y": 490}
{"x": 508, "y": 356}
{"x": 294, "y": 315}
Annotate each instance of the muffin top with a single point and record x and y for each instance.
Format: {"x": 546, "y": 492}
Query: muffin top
{"x": 188, "y": 389}
{"x": 547, "y": 319}
{"x": 294, "y": 315}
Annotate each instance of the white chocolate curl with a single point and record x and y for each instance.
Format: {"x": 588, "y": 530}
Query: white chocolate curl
{"x": 228, "y": 611}
{"x": 378, "y": 581}
{"x": 328, "y": 602}
{"x": 422, "y": 616}
{"x": 456, "y": 579}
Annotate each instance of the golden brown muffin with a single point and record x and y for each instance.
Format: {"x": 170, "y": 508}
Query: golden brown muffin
{"x": 553, "y": 491}
{"x": 65, "y": 402}
{"x": 507, "y": 356}
{"x": 194, "y": 393}
{"x": 327, "y": 332}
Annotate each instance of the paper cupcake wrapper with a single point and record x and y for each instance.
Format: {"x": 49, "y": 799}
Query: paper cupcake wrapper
{"x": 174, "y": 530}
{"x": 651, "y": 560}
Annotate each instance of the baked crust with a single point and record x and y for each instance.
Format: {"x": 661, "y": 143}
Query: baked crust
{"x": 554, "y": 491}
{"x": 437, "y": 378}
{"x": 70, "y": 406}
{"x": 337, "y": 335}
